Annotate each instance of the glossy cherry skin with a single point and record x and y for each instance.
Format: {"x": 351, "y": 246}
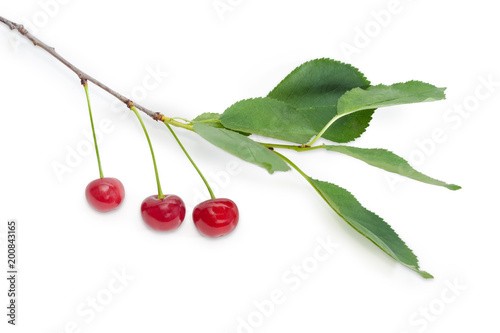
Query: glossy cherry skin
{"x": 163, "y": 214}
{"x": 105, "y": 194}
{"x": 216, "y": 217}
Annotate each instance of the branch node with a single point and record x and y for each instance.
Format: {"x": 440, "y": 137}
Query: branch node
{"x": 81, "y": 75}
{"x": 21, "y": 30}
{"x": 159, "y": 116}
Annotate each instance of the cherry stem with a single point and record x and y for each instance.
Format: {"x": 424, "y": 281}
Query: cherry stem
{"x": 160, "y": 193}
{"x": 192, "y": 162}
{"x": 86, "y": 87}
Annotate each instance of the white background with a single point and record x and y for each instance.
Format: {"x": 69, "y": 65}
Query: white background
{"x": 183, "y": 282}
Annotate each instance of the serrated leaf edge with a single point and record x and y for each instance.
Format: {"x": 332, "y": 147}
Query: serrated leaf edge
{"x": 269, "y": 98}
{"x": 297, "y": 68}
{"x": 415, "y": 267}
{"x": 442, "y": 89}
{"x": 449, "y": 186}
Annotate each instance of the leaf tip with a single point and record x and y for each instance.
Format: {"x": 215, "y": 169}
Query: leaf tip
{"x": 453, "y": 187}
{"x": 425, "y": 275}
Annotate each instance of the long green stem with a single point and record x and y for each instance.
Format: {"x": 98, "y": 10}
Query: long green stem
{"x": 176, "y": 123}
{"x": 183, "y": 119}
{"x": 160, "y": 193}
{"x": 327, "y": 126}
{"x": 290, "y": 147}
{"x": 293, "y": 165}
{"x": 86, "y": 87}
{"x": 192, "y": 162}
{"x": 306, "y": 177}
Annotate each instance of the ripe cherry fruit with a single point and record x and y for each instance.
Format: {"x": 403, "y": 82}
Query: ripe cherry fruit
{"x": 105, "y": 194}
{"x": 216, "y": 217}
{"x": 163, "y": 214}
{"x": 160, "y": 212}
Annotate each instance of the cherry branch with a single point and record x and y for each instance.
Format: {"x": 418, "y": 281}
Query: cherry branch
{"x": 85, "y": 77}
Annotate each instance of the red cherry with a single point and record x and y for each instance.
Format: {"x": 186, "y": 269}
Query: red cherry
{"x": 216, "y": 217}
{"x": 163, "y": 214}
{"x": 105, "y": 194}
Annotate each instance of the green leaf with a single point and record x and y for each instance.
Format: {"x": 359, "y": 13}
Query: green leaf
{"x": 242, "y": 147}
{"x": 368, "y": 224}
{"x": 212, "y": 119}
{"x": 209, "y": 118}
{"x": 387, "y": 160}
{"x": 270, "y": 118}
{"x": 381, "y": 95}
{"x": 345, "y": 129}
{"x": 315, "y": 87}
{"x": 318, "y": 83}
